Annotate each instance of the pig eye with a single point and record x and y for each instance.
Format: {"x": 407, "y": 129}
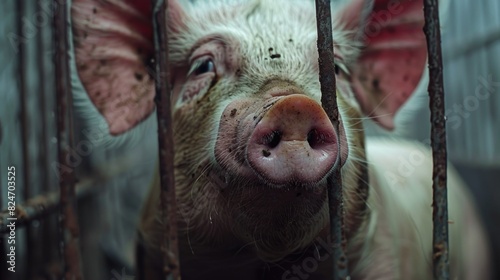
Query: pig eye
{"x": 341, "y": 69}
{"x": 199, "y": 79}
{"x": 202, "y": 66}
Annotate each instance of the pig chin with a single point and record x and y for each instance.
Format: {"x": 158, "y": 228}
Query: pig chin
{"x": 275, "y": 221}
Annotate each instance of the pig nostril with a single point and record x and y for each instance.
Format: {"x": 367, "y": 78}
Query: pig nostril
{"x": 311, "y": 138}
{"x": 273, "y": 139}
{"x": 315, "y": 138}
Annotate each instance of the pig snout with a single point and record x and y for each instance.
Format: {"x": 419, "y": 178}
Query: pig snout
{"x": 282, "y": 140}
{"x": 294, "y": 141}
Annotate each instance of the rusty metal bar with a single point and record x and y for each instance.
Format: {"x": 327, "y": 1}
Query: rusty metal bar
{"x": 69, "y": 230}
{"x": 329, "y": 102}
{"x": 438, "y": 141}
{"x": 44, "y": 204}
{"x": 43, "y": 160}
{"x": 170, "y": 247}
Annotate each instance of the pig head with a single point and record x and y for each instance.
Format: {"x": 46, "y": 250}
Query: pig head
{"x": 253, "y": 145}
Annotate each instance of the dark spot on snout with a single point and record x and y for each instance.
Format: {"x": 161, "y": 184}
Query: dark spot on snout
{"x": 266, "y": 153}
{"x": 376, "y": 84}
{"x": 138, "y": 76}
{"x": 290, "y": 40}
{"x": 103, "y": 61}
{"x": 233, "y": 113}
{"x": 94, "y": 10}
{"x": 271, "y": 49}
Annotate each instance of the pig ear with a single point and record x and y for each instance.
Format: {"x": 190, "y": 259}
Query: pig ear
{"x": 394, "y": 55}
{"x": 113, "y": 49}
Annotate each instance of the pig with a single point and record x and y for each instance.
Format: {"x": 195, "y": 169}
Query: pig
{"x": 253, "y": 146}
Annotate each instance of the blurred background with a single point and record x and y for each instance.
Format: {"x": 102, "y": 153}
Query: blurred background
{"x": 114, "y": 174}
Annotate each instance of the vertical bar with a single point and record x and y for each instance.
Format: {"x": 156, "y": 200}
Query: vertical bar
{"x": 22, "y": 98}
{"x": 69, "y": 231}
{"x": 329, "y": 102}
{"x": 170, "y": 247}
{"x": 43, "y": 161}
{"x": 438, "y": 140}
{"x": 20, "y": 7}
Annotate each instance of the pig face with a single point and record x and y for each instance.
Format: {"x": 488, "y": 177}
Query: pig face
{"x": 253, "y": 145}
{"x": 249, "y": 121}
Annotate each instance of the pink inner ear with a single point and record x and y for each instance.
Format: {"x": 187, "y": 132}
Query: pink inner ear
{"x": 113, "y": 41}
{"x": 391, "y": 65}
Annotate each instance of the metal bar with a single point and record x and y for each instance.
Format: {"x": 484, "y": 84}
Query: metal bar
{"x": 438, "y": 140}
{"x": 170, "y": 246}
{"x": 42, "y": 205}
{"x": 329, "y": 102}
{"x": 69, "y": 230}
{"x": 24, "y": 117}
{"x": 43, "y": 160}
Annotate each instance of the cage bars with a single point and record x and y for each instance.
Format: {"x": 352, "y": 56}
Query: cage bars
{"x": 68, "y": 228}
{"x": 44, "y": 152}
{"x": 66, "y": 199}
{"x": 170, "y": 250}
{"x": 41, "y": 206}
{"x": 438, "y": 141}
{"x": 329, "y": 102}
{"x": 24, "y": 118}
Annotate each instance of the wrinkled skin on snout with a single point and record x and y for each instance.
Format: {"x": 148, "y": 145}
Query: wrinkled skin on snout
{"x": 253, "y": 146}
